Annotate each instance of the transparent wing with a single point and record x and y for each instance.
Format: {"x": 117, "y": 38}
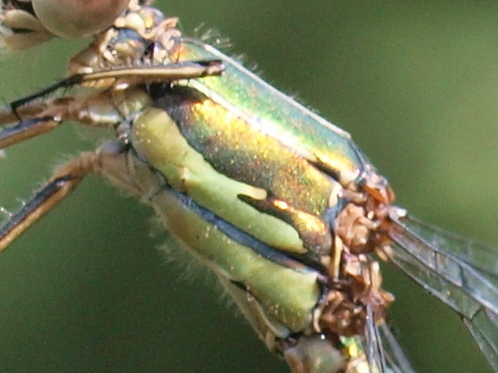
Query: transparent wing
{"x": 395, "y": 358}
{"x": 460, "y": 272}
{"x": 383, "y": 352}
{"x": 373, "y": 345}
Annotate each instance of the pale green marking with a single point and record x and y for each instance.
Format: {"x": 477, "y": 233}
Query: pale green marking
{"x": 157, "y": 138}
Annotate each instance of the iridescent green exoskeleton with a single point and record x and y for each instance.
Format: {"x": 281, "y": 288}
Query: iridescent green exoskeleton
{"x": 279, "y": 203}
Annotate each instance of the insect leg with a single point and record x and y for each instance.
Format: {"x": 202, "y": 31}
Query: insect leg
{"x": 27, "y": 129}
{"x": 40, "y": 117}
{"x": 127, "y": 76}
{"x": 62, "y": 183}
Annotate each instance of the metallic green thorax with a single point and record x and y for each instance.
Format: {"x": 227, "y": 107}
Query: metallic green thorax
{"x": 252, "y": 182}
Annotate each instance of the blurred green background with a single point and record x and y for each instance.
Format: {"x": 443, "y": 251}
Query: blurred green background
{"x": 416, "y": 83}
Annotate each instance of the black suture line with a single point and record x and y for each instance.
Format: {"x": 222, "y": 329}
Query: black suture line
{"x": 241, "y": 237}
{"x": 41, "y": 196}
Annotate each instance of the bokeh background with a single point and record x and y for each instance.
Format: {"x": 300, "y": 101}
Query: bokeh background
{"x": 416, "y": 83}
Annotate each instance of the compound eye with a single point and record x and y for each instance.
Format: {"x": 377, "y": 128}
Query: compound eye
{"x": 77, "y": 18}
